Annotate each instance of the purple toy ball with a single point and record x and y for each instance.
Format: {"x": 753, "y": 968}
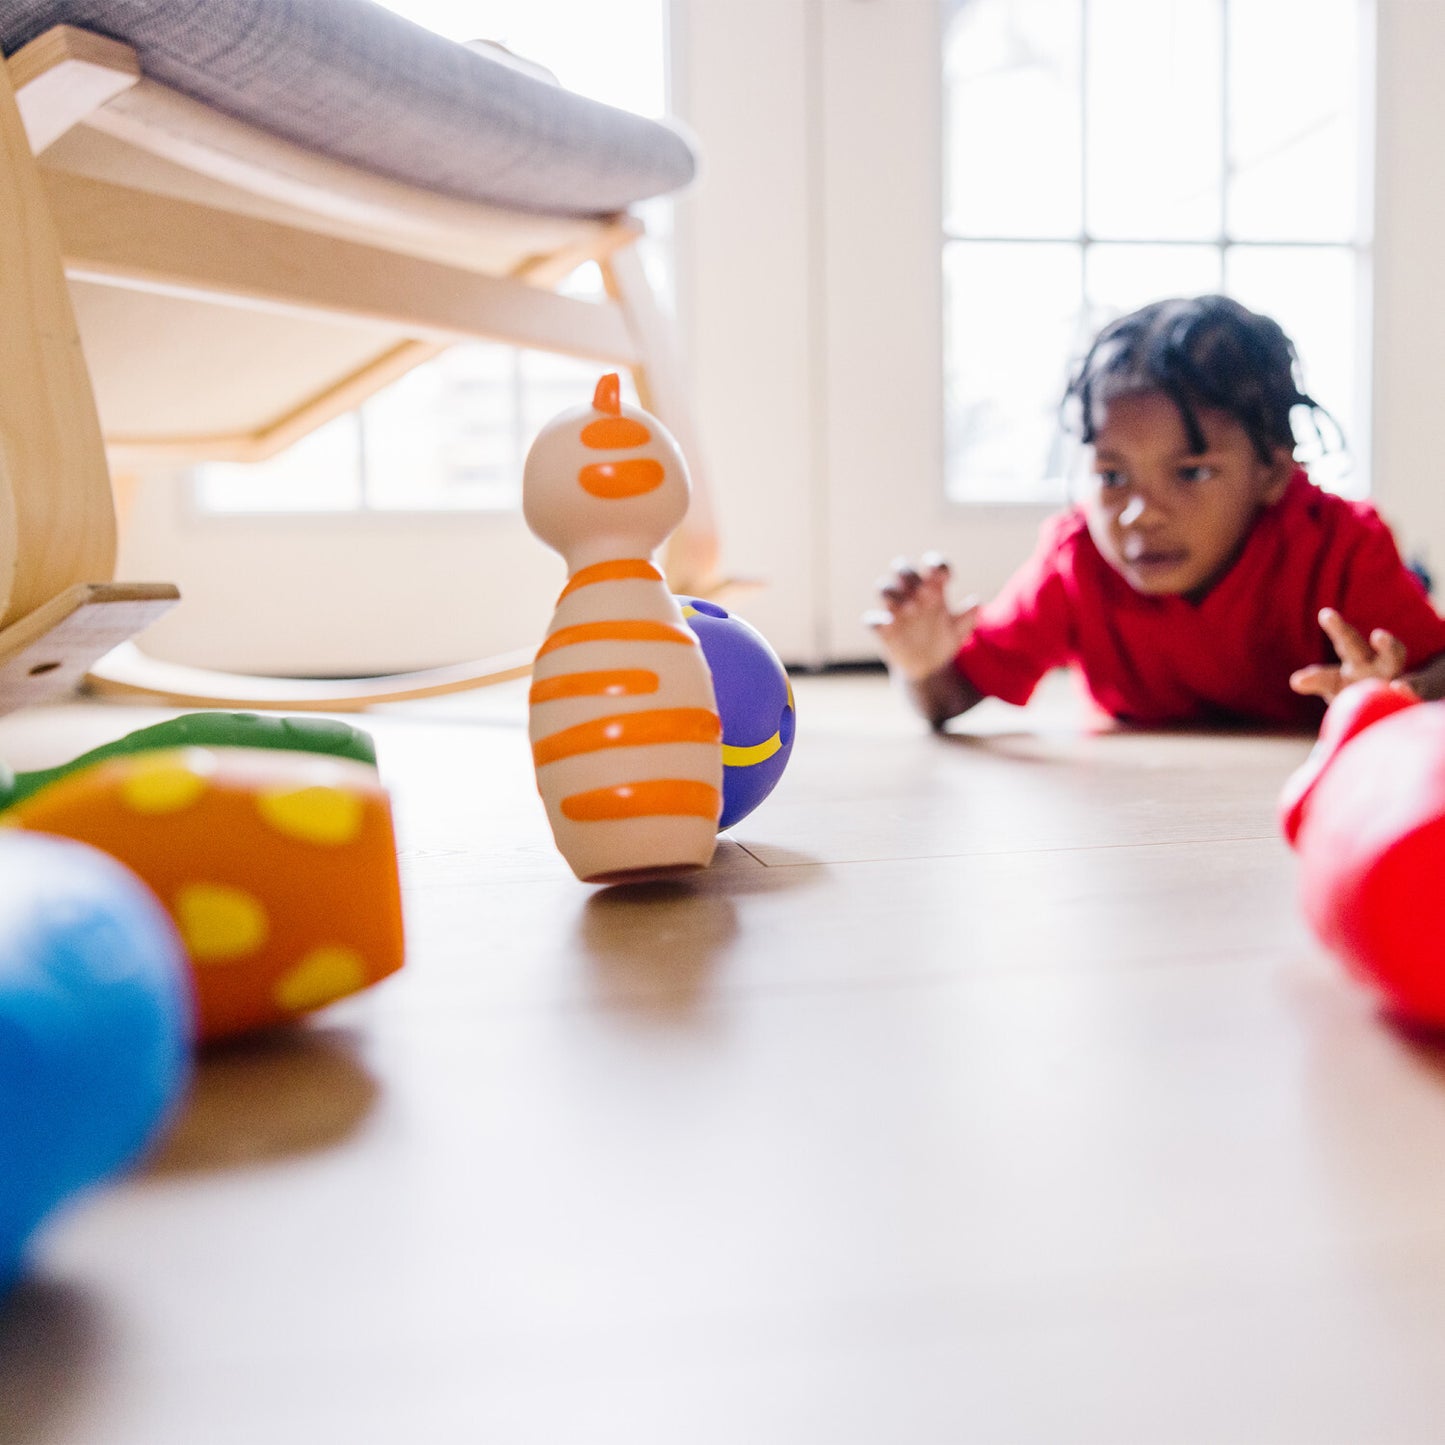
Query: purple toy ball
{"x": 754, "y": 700}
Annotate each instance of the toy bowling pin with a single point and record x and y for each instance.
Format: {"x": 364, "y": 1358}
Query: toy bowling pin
{"x": 1366, "y": 815}
{"x": 624, "y": 724}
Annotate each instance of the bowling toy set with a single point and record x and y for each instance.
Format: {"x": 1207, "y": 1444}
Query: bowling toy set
{"x": 1366, "y": 815}
{"x": 260, "y": 874}
{"x": 222, "y": 871}
{"x": 632, "y": 730}
{"x": 259, "y": 882}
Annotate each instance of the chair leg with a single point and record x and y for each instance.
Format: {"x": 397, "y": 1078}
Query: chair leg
{"x": 54, "y": 482}
{"x": 691, "y": 558}
{"x": 127, "y": 672}
{"x": 48, "y": 651}
{"x": 58, "y": 610}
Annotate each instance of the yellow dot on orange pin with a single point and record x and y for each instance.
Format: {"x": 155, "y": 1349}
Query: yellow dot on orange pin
{"x": 218, "y": 922}
{"x": 328, "y": 817}
{"x": 324, "y": 974}
{"x": 166, "y": 782}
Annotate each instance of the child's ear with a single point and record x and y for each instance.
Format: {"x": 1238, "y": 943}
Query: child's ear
{"x": 1276, "y": 475}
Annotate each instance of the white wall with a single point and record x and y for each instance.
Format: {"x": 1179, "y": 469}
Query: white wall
{"x": 335, "y": 595}
{"x": 744, "y": 79}
{"x": 1409, "y": 321}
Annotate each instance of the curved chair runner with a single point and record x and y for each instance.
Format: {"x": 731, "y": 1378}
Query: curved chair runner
{"x": 288, "y": 207}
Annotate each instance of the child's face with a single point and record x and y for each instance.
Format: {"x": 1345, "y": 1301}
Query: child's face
{"x": 1166, "y": 518}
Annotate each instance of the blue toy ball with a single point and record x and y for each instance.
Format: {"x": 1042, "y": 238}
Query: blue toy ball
{"x": 754, "y": 700}
{"x": 95, "y": 1026}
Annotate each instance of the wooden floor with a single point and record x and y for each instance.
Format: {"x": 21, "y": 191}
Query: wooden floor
{"x": 986, "y": 1089}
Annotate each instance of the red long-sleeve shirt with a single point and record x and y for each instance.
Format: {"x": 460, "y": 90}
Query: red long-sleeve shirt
{"x": 1157, "y": 660}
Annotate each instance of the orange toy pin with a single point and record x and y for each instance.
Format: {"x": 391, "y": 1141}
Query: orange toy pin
{"x": 625, "y": 732}
{"x": 279, "y": 869}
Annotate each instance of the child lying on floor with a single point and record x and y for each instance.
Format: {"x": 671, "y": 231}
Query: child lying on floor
{"x": 1202, "y": 577}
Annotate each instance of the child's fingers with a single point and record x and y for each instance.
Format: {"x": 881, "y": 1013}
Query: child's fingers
{"x": 1317, "y": 680}
{"x": 933, "y": 590}
{"x": 1390, "y": 653}
{"x": 1352, "y": 648}
{"x": 965, "y": 621}
{"x": 892, "y": 589}
{"x": 900, "y": 583}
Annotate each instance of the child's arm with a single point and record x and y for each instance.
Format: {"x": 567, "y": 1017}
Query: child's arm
{"x": 1382, "y": 655}
{"x": 919, "y": 635}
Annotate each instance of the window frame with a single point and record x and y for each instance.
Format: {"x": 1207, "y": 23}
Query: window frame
{"x": 1052, "y": 491}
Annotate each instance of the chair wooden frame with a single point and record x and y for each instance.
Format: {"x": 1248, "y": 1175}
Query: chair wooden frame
{"x": 211, "y": 211}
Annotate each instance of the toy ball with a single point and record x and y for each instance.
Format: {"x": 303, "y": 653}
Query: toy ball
{"x": 95, "y": 1025}
{"x": 1366, "y": 815}
{"x": 754, "y": 700}
{"x": 279, "y": 868}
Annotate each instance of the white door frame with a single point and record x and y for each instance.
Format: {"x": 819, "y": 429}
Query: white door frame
{"x": 810, "y": 280}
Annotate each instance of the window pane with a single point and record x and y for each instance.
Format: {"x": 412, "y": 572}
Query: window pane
{"x": 1293, "y": 147}
{"x": 1122, "y": 278}
{"x": 452, "y": 435}
{"x": 1011, "y": 323}
{"x": 1154, "y": 89}
{"x": 1154, "y": 206}
{"x": 1011, "y": 118}
{"x": 443, "y": 436}
{"x": 1292, "y": 284}
{"x": 321, "y": 473}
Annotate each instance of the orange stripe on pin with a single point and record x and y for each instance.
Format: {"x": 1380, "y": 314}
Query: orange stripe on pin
{"x": 658, "y": 797}
{"x": 622, "y": 630}
{"x": 611, "y": 433}
{"x": 617, "y": 682}
{"x": 616, "y": 481}
{"x": 630, "y": 730}
{"x": 622, "y": 569}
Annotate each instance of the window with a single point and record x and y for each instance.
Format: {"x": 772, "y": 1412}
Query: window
{"x": 1100, "y": 154}
{"x": 452, "y": 434}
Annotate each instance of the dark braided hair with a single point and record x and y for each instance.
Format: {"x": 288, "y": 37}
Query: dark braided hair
{"x": 1200, "y": 352}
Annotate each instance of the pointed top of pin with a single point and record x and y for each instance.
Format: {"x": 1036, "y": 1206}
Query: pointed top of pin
{"x": 608, "y": 396}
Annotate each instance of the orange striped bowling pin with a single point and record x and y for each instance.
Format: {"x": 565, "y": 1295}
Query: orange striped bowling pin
{"x": 624, "y": 725}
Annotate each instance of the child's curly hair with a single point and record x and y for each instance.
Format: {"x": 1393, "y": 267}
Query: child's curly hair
{"x": 1201, "y": 352}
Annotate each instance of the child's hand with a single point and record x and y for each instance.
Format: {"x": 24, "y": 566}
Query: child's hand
{"x": 917, "y": 631}
{"x": 1383, "y": 656}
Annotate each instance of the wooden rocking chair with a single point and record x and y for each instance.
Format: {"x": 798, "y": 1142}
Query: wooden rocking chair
{"x": 129, "y": 208}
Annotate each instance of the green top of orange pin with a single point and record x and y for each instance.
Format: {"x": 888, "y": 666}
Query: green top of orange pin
{"x": 205, "y": 729}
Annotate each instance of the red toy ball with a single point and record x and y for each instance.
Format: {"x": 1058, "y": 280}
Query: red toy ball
{"x": 1366, "y": 814}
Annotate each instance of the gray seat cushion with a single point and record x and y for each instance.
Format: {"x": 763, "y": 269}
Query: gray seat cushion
{"x": 357, "y": 82}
